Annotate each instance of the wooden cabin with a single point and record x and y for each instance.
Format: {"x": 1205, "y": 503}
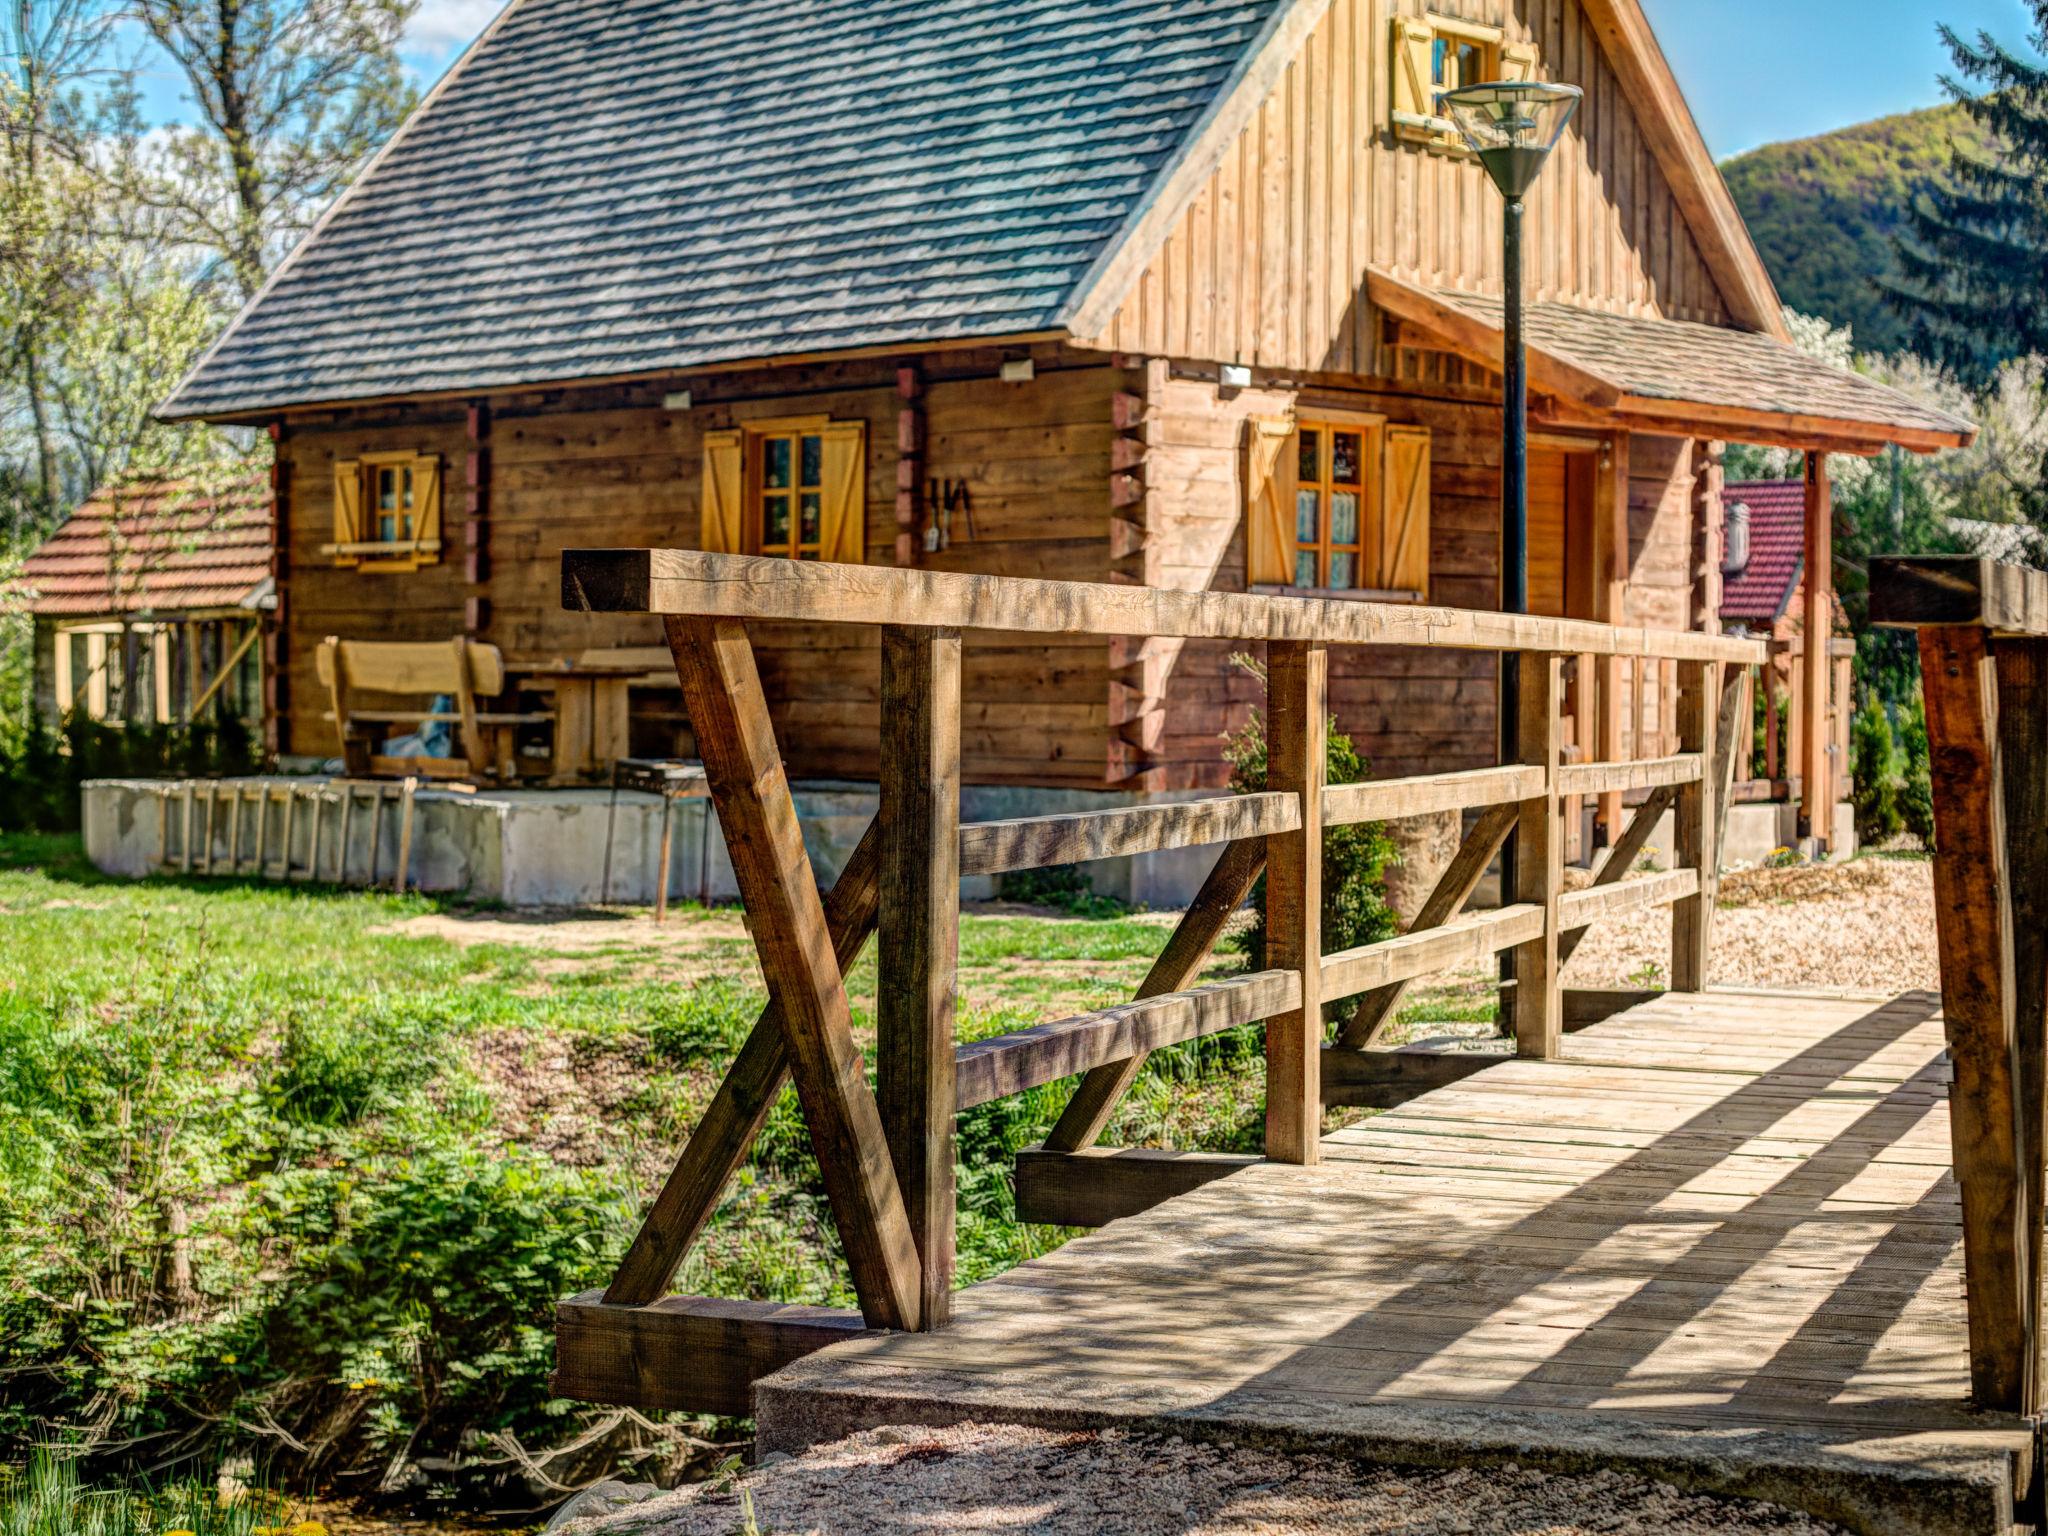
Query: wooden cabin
{"x": 149, "y": 603}
{"x": 1201, "y": 295}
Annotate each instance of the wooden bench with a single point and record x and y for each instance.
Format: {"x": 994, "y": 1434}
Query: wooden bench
{"x": 460, "y": 669}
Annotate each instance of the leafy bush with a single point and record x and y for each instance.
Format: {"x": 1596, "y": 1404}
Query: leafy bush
{"x": 1061, "y": 887}
{"x": 1916, "y": 788}
{"x": 1875, "y": 765}
{"x": 1355, "y": 858}
{"x": 42, "y": 770}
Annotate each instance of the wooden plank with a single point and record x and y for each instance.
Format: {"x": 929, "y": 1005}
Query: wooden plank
{"x": 1379, "y": 1007}
{"x": 1699, "y": 702}
{"x": 722, "y": 692}
{"x": 1098, "y": 1185}
{"x": 1037, "y": 842}
{"x": 1622, "y": 856}
{"x": 1587, "y": 1006}
{"x": 725, "y": 1132}
{"x": 1646, "y": 773}
{"x": 1818, "y": 798}
{"x": 1912, "y": 591}
{"x": 682, "y": 581}
{"x": 918, "y": 940}
{"x": 1538, "y": 1008}
{"x": 685, "y": 1354}
{"x": 2022, "y": 671}
{"x": 1385, "y": 1079}
{"x": 1026, "y": 1058}
{"x": 1229, "y": 882}
{"x": 1297, "y": 746}
{"x": 1971, "y": 923}
{"x": 1597, "y": 903}
{"x": 1464, "y": 941}
{"x": 1392, "y": 799}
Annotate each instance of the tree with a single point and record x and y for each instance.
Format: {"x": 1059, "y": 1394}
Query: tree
{"x": 1974, "y": 259}
{"x": 292, "y": 95}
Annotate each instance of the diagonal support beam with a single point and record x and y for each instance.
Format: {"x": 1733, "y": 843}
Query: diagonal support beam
{"x": 1622, "y": 856}
{"x": 1236, "y": 871}
{"x": 1454, "y": 888}
{"x": 736, "y": 1113}
{"x": 729, "y": 714}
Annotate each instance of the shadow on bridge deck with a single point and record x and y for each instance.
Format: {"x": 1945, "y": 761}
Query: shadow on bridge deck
{"x": 1719, "y": 1242}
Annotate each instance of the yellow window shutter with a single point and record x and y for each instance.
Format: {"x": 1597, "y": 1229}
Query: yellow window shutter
{"x": 348, "y": 502}
{"x": 721, "y": 532}
{"x": 843, "y": 533}
{"x": 1404, "y": 503}
{"x": 1414, "y": 67}
{"x": 1269, "y": 503}
{"x": 1518, "y": 61}
{"x": 426, "y": 502}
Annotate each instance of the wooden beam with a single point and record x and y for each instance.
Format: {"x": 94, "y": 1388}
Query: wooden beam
{"x": 1910, "y": 591}
{"x": 1610, "y": 602}
{"x": 1378, "y": 1008}
{"x": 1474, "y": 789}
{"x": 685, "y": 1354}
{"x": 1819, "y": 798}
{"x": 1621, "y": 858}
{"x": 1229, "y": 882}
{"x": 1028, "y": 1058}
{"x": 1539, "y": 861}
{"x": 1098, "y": 1185}
{"x": 1597, "y": 903}
{"x": 1386, "y": 1079}
{"x": 1037, "y": 842}
{"x": 1481, "y": 342}
{"x": 2022, "y": 670}
{"x": 1297, "y": 763}
{"x": 1620, "y": 777}
{"x": 918, "y": 941}
{"x": 1699, "y": 705}
{"x": 726, "y": 1131}
{"x": 729, "y": 714}
{"x": 1586, "y": 1006}
{"x": 687, "y": 581}
{"x": 1972, "y": 924}
{"x": 1462, "y": 941}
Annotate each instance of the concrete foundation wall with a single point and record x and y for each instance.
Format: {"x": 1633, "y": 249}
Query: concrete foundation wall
{"x": 583, "y": 847}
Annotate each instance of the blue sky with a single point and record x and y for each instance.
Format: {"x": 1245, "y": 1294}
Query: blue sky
{"x": 1755, "y": 71}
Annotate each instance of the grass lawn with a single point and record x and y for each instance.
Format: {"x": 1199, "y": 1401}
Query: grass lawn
{"x": 299, "y": 1173}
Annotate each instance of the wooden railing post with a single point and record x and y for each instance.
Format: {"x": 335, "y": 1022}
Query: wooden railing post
{"x": 1976, "y": 991}
{"x": 1297, "y": 732}
{"x": 1698, "y": 821}
{"x": 1538, "y": 1002}
{"x": 918, "y": 941}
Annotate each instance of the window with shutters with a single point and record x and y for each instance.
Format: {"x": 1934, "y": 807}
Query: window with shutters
{"x": 1434, "y": 54}
{"x": 1338, "y": 503}
{"x": 387, "y": 512}
{"x": 793, "y": 488}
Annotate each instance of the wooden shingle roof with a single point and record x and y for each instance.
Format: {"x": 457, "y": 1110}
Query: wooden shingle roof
{"x": 154, "y": 545}
{"x": 604, "y": 190}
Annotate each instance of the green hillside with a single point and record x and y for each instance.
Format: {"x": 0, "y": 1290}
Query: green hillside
{"x": 1824, "y": 211}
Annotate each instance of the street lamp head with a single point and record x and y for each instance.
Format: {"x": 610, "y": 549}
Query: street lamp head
{"x": 1512, "y": 126}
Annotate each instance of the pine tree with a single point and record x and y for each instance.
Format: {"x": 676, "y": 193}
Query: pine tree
{"x": 1974, "y": 261}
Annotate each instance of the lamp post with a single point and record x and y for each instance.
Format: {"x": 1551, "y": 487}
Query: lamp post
{"x": 1512, "y": 126}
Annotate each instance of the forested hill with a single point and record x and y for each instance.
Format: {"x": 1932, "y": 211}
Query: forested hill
{"x": 1824, "y": 211}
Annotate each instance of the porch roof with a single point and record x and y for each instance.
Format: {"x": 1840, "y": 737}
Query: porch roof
{"x": 154, "y": 545}
{"x": 1681, "y": 377}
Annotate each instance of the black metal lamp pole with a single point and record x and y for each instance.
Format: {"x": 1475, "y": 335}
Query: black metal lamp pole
{"x": 1512, "y": 126}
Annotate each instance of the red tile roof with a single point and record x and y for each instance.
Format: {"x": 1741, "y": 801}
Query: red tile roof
{"x": 154, "y": 545}
{"x": 1777, "y": 549}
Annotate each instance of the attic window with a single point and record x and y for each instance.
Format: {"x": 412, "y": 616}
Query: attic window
{"x": 387, "y": 512}
{"x": 1434, "y": 54}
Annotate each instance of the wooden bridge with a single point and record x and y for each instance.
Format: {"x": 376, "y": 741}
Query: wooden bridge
{"x": 1774, "y": 1244}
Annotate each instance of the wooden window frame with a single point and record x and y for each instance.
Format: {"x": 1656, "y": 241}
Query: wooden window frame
{"x": 376, "y": 555}
{"x": 755, "y": 436}
{"x": 1370, "y": 431}
{"x": 1419, "y": 122}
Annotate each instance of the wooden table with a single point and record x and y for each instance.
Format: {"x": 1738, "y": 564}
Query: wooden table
{"x": 592, "y": 724}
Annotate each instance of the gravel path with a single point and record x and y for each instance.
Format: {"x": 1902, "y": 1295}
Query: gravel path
{"x": 1867, "y": 925}
{"x": 895, "y": 1482}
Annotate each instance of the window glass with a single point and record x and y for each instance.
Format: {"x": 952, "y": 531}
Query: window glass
{"x": 1331, "y": 506}
{"x": 791, "y": 510}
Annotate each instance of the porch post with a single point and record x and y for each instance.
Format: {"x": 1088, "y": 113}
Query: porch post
{"x": 1817, "y": 806}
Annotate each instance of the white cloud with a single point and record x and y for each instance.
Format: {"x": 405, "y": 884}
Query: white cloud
{"x": 442, "y": 28}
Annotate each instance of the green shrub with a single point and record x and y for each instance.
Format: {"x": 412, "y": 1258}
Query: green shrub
{"x": 41, "y": 769}
{"x": 1916, "y": 789}
{"x": 1062, "y": 888}
{"x": 47, "y": 1498}
{"x": 1355, "y": 858}
{"x": 1876, "y": 768}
